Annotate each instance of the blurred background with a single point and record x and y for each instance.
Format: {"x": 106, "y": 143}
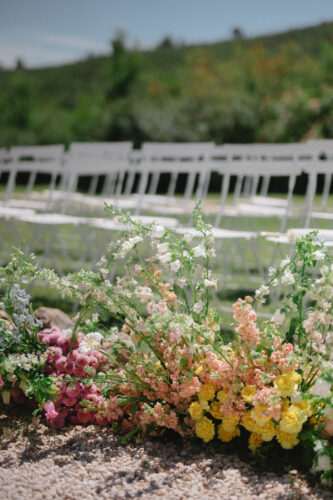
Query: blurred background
{"x": 218, "y": 70}
{"x": 139, "y": 72}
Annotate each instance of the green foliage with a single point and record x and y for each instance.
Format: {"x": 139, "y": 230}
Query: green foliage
{"x": 273, "y": 88}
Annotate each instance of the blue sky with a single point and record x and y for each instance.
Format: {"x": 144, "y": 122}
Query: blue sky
{"x": 55, "y": 31}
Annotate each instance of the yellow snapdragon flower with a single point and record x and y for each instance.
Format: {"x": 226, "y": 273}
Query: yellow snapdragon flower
{"x": 196, "y": 410}
{"x": 292, "y": 420}
{"x": 222, "y": 396}
{"x": 215, "y": 410}
{"x": 287, "y": 440}
{"x": 287, "y": 383}
{"x": 255, "y": 441}
{"x": 204, "y": 429}
{"x": 305, "y": 406}
{"x": 248, "y": 393}
{"x": 207, "y": 392}
{"x": 248, "y": 423}
{"x": 259, "y": 414}
{"x": 199, "y": 370}
{"x": 226, "y": 436}
{"x": 230, "y": 422}
{"x": 267, "y": 431}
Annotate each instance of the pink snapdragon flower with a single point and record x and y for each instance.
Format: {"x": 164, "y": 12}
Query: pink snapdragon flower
{"x": 245, "y": 316}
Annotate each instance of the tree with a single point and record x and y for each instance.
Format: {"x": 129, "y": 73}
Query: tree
{"x": 238, "y": 33}
{"x": 166, "y": 43}
{"x": 124, "y": 68}
{"x": 19, "y": 65}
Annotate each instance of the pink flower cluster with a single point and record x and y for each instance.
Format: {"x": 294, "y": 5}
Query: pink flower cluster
{"x": 160, "y": 415}
{"x": 246, "y": 318}
{"x": 78, "y": 401}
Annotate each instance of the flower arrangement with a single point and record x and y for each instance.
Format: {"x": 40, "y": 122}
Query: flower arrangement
{"x": 165, "y": 362}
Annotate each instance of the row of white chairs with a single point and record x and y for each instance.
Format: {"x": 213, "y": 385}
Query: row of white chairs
{"x": 132, "y": 177}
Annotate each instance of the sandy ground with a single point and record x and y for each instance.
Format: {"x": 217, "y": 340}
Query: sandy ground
{"x": 86, "y": 463}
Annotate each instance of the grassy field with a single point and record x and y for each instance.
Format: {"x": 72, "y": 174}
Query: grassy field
{"x": 240, "y": 265}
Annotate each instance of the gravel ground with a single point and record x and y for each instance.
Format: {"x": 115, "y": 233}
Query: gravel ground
{"x": 86, "y": 463}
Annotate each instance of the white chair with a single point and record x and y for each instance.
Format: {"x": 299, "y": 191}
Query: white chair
{"x": 254, "y": 185}
{"x": 173, "y": 159}
{"x": 110, "y": 159}
{"x": 324, "y": 149}
{"x": 233, "y": 162}
{"x": 319, "y": 163}
{"x": 33, "y": 160}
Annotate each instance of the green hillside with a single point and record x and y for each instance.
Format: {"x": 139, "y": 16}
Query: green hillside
{"x": 271, "y": 88}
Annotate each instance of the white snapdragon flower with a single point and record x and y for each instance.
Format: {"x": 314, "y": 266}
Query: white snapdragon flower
{"x": 144, "y": 293}
{"x": 128, "y": 245}
{"x": 285, "y": 262}
{"x": 175, "y": 265}
{"x": 162, "y": 248}
{"x": 23, "y": 361}
{"x": 157, "y": 231}
{"x": 261, "y": 293}
{"x": 210, "y": 283}
{"x": 198, "y": 307}
{"x": 91, "y": 342}
{"x": 321, "y": 388}
{"x": 287, "y": 278}
{"x": 199, "y": 251}
{"x": 319, "y": 255}
{"x": 182, "y": 282}
{"x": 164, "y": 258}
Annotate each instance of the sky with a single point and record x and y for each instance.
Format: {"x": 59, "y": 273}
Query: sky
{"x": 44, "y": 32}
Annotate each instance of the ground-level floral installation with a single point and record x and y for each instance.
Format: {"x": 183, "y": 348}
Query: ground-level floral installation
{"x": 166, "y": 362}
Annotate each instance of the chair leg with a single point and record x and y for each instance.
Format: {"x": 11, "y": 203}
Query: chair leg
{"x": 155, "y": 178}
{"x": 31, "y": 182}
{"x": 190, "y": 185}
{"x": 130, "y": 181}
{"x": 141, "y": 191}
{"x": 93, "y": 185}
{"x": 11, "y": 184}
{"x": 203, "y": 185}
{"x": 312, "y": 186}
{"x": 264, "y": 186}
{"x": 254, "y": 187}
{"x": 238, "y": 189}
{"x": 120, "y": 183}
{"x": 326, "y": 191}
{"x": 52, "y": 186}
{"x": 172, "y": 184}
